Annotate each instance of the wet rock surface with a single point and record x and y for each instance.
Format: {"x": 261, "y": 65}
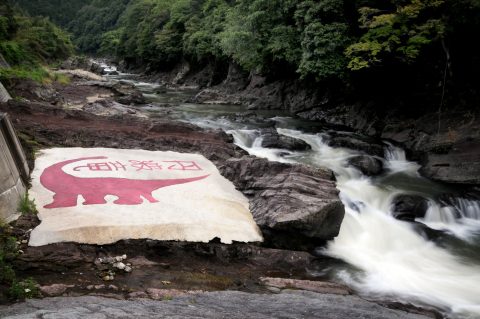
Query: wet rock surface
{"x": 271, "y": 139}
{"x": 355, "y": 142}
{"x": 294, "y": 200}
{"x": 409, "y": 207}
{"x": 448, "y": 149}
{"x": 368, "y": 165}
{"x": 226, "y": 304}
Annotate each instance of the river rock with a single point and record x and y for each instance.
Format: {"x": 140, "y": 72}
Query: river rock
{"x": 356, "y": 143}
{"x": 271, "y": 139}
{"x": 368, "y": 165}
{"x": 55, "y": 289}
{"x": 135, "y": 97}
{"x": 409, "y": 207}
{"x": 288, "y": 201}
{"x": 310, "y": 285}
{"x": 222, "y": 304}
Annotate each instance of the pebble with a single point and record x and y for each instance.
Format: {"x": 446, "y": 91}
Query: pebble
{"x": 128, "y": 269}
{"x": 119, "y": 265}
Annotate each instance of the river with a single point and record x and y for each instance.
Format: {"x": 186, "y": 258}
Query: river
{"x": 437, "y": 264}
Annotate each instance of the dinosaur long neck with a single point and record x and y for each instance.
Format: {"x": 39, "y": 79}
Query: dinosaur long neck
{"x": 55, "y": 174}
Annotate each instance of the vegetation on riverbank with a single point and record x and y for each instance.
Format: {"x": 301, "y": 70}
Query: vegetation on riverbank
{"x": 11, "y": 286}
{"x": 29, "y": 43}
{"x": 402, "y": 46}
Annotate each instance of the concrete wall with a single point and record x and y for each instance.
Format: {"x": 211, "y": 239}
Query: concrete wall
{"x": 4, "y": 95}
{"x": 14, "y": 172}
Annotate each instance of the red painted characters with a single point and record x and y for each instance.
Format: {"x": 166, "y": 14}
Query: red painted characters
{"x": 67, "y": 187}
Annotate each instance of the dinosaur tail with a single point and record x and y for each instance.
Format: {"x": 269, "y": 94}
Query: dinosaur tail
{"x": 169, "y": 182}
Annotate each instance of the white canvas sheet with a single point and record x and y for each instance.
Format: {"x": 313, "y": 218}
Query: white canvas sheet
{"x": 100, "y": 196}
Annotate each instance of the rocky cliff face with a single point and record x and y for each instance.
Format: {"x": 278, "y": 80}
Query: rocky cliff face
{"x": 446, "y": 144}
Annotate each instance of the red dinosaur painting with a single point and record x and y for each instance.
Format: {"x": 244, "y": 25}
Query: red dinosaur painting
{"x": 67, "y": 187}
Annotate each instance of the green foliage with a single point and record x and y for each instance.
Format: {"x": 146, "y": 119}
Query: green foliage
{"x": 42, "y": 39}
{"x": 16, "y": 289}
{"x": 61, "y": 12}
{"x": 8, "y": 24}
{"x": 400, "y": 34}
{"x": 93, "y": 21}
{"x": 325, "y": 36}
{"x": 319, "y": 39}
{"x": 24, "y": 289}
{"x": 261, "y": 33}
{"x": 26, "y": 205}
{"x": 37, "y": 74}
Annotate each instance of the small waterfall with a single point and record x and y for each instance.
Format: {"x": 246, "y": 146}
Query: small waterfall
{"x": 459, "y": 216}
{"x": 397, "y": 161}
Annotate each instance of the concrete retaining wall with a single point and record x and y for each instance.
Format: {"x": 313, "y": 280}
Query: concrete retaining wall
{"x": 4, "y": 95}
{"x": 14, "y": 172}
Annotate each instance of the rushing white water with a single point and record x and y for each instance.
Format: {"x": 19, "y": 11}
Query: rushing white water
{"x": 395, "y": 260}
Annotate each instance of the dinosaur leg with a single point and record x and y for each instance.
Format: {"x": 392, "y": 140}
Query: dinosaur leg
{"x": 94, "y": 199}
{"x": 150, "y": 198}
{"x": 63, "y": 200}
{"x": 128, "y": 198}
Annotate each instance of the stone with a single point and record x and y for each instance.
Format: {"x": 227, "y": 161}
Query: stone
{"x": 355, "y": 142}
{"x": 409, "y": 207}
{"x": 137, "y": 295}
{"x": 222, "y": 304}
{"x": 55, "y": 289}
{"x": 161, "y": 294}
{"x": 134, "y": 98}
{"x": 120, "y": 266}
{"x": 315, "y": 286}
{"x": 128, "y": 269}
{"x": 287, "y": 200}
{"x": 368, "y": 165}
{"x": 272, "y": 139}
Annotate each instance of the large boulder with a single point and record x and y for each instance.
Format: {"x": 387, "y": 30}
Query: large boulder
{"x": 368, "y": 165}
{"x": 271, "y": 139}
{"x": 408, "y": 207}
{"x": 356, "y": 142}
{"x": 135, "y": 97}
{"x": 294, "y": 205}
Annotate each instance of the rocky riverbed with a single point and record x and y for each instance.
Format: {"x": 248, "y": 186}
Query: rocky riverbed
{"x": 297, "y": 207}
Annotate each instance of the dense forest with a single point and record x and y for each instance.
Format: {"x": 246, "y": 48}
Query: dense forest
{"x": 401, "y": 45}
{"x": 27, "y": 43}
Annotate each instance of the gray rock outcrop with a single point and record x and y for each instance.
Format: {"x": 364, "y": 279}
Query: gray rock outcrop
{"x": 225, "y": 304}
{"x": 293, "y": 200}
{"x": 271, "y": 139}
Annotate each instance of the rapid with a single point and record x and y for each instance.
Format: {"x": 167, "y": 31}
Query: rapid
{"x": 433, "y": 261}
